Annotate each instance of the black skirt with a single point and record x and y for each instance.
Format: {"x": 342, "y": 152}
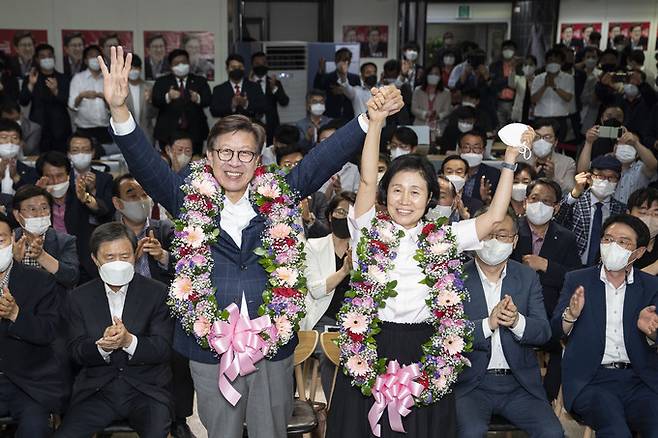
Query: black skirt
{"x": 348, "y": 416}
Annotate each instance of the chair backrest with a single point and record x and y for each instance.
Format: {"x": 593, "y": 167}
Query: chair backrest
{"x": 308, "y": 340}
{"x": 329, "y": 347}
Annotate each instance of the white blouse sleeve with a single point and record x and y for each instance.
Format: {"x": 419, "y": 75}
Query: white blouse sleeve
{"x": 466, "y": 235}
{"x": 356, "y": 224}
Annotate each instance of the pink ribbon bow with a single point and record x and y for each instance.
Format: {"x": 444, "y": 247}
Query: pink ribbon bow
{"x": 239, "y": 343}
{"x": 394, "y": 390}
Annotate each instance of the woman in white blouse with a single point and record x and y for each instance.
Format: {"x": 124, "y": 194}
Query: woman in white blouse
{"x": 408, "y": 189}
{"x": 430, "y": 103}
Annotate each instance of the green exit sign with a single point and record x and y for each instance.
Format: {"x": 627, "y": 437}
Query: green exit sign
{"x": 464, "y": 11}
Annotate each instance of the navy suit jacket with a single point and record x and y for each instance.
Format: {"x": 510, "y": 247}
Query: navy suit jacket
{"x": 222, "y": 96}
{"x": 236, "y": 268}
{"x": 522, "y": 284}
{"x": 61, "y": 246}
{"x": 585, "y": 344}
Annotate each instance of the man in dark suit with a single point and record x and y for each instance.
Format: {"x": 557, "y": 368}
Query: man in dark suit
{"x": 31, "y": 387}
{"x": 180, "y": 98}
{"x": 338, "y": 106}
{"x": 76, "y": 209}
{"x": 238, "y": 95}
{"x": 47, "y": 91}
{"x": 584, "y": 210}
{"x": 374, "y": 47}
{"x": 274, "y": 93}
{"x": 120, "y": 334}
{"x": 607, "y": 314}
{"x": 551, "y": 251}
{"x": 38, "y": 244}
{"x": 482, "y": 178}
{"x": 507, "y": 309}
{"x": 11, "y": 137}
{"x": 10, "y": 109}
{"x": 266, "y": 404}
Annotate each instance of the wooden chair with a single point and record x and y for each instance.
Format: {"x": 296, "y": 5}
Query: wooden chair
{"x": 331, "y": 350}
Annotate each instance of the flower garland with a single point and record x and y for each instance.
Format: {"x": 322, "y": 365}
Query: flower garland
{"x": 192, "y": 295}
{"x": 437, "y": 256}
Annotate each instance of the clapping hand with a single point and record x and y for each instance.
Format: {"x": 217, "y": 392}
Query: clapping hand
{"x": 508, "y": 314}
{"x": 576, "y": 303}
{"x": 115, "y": 337}
{"x": 8, "y": 307}
{"x": 647, "y": 322}
{"x": 51, "y": 83}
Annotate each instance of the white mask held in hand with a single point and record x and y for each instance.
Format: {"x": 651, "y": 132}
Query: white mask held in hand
{"x": 625, "y": 153}
{"x": 9, "y": 150}
{"x": 457, "y": 181}
{"x": 473, "y": 159}
{"x": 513, "y": 135}
{"x": 58, "y": 190}
{"x": 553, "y": 68}
{"x": 542, "y": 148}
{"x": 602, "y": 188}
{"x": 614, "y": 256}
{"x": 6, "y": 256}
{"x": 37, "y": 226}
{"x": 81, "y": 161}
{"x": 317, "y": 109}
{"x": 519, "y": 191}
{"x": 117, "y": 273}
{"x": 137, "y": 211}
{"x": 181, "y": 70}
{"x": 538, "y": 213}
{"x": 464, "y": 126}
{"x": 494, "y": 252}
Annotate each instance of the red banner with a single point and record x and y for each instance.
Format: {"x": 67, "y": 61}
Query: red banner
{"x": 7, "y": 39}
{"x": 199, "y": 45}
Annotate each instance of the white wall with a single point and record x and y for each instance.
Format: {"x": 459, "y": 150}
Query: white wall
{"x": 480, "y": 12}
{"x": 134, "y": 15}
{"x": 293, "y": 21}
{"x": 369, "y": 12}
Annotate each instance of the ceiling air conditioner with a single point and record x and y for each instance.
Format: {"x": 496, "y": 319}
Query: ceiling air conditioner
{"x": 287, "y": 60}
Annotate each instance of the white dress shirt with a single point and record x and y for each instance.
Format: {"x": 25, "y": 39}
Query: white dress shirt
{"x": 350, "y": 178}
{"x": 492, "y": 294}
{"x": 116, "y": 301}
{"x": 551, "y": 104}
{"x": 357, "y": 94}
{"x": 136, "y": 97}
{"x": 615, "y": 348}
{"x": 91, "y": 113}
{"x": 409, "y": 305}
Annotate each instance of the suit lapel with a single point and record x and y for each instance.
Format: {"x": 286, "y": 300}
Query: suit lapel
{"x": 102, "y": 307}
{"x": 550, "y": 242}
{"x": 525, "y": 240}
{"x": 131, "y": 307}
{"x": 597, "y": 308}
{"x": 474, "y": 285}
{"x": 632, "y": 307}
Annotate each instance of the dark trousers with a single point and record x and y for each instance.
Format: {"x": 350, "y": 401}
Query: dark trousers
{"x": 504, "y": 396}
{"x": 33, "y": 419}
{"x": 616, "y": 402}
{"x": 183, "y": 386}
{"x": 116, "y": 401}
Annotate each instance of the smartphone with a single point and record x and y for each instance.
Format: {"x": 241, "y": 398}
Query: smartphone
{"x": 609, "y": 132}
{"x": 619, "y": 76}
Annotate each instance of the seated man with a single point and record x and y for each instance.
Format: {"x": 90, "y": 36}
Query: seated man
{"x": 38, "y": 244}
{"x": 403, "y": 141}
{"x": 608, "y": 316}
{"x": 482, "y": 178}
{"x": 11, "y": 110}
{"x": 31, "y": 387}
{"x": 13, "y": 172}
{"x": 179, "y": 149}
{"x": 120, "y": 334}
{"x": 507, "y": 309}
{"x": 643, "y": 204}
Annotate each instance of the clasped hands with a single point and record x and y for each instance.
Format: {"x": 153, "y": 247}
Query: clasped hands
{"x": 384, "y": 102}
{"x": 116, "y": 336}
{"x": 8, "y": 307}
{"x": 504, "y": 314}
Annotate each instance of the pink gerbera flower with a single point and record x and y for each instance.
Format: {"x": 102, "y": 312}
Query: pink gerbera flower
{"x": 355, "y": 322}
{"x": 182, "y": 288}
{"x": 283, "y": 327}
{"x": 357, "y": 365}
{"x": 201, "y": 326}
{"x": 448, "y": 298}
{"x": 280, "y": 231}
{"x": 195, "y": 236}
{"x": 454, "y": 344}
{"x": 269, "y": 191}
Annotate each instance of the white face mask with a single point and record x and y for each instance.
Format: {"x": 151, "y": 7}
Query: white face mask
{"x": 6, "y": 256}
{"x": 518, "y": 192}
{"x": 137, "y": 211}
{"x": 183, "y": 160}
{"x": 93, "y": 64}
{"x": 81, "y": 161}
{"x": 58, "y": 190}
{"x": 631, "y": 90}
{"x": 553, "y": 67}
{"x": 464, "y": 126}
{"x": 494, "y": 252}
{"x": 47, "y": 63}
{"x": 508, "y": 53}
{"x": 625, "y": 153}
{"x": 433, "y": 79}
{"x": 652, "y": 223}
{"x": 317, "y": 109}
{"x": 133, "y": 74}
{"x": 528, "y": 69}
{"x": 457, "y": 181}
{"x": 542, "y": 148}
{"x": 411, "y": 55}
{"x": 448, "y": 60}
{"x": 591, "y": 62}
{"x": 614, "y": 256}
{"x": 472, "y": 159}
{"x": 117, "y": 273}
{"x": 398, "y": 152}
{"x": 538, "y": 213}
{"x": 602, "y": 188}
{"x": 439, "y": 211}
{"x": 9, "y": 150}
{"x": 37, "y": 226}
{"x": 181, "y": 70}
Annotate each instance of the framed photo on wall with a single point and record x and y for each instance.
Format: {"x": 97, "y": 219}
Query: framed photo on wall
{"x": 636, "y": 34}
{"x": 373, "y": 39}
{"x": 576, "y": 35}
{"x": 200, "y": 45}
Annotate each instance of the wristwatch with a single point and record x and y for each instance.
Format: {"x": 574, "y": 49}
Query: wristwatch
{"x": 506, "y": 165}
{"x": 566, "y": 319}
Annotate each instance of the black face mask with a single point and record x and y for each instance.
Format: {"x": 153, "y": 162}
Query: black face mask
{"x": 612, "y": 122}
{"x": 236, "y": 75}
{"x": 370, "y": 81}
{"x": 339, "y": 228}
{"x": 260, "y": 70}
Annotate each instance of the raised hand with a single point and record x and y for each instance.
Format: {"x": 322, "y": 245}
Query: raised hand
{"x": 115, "y": 82}
{"x": 583, "y": 179}
{"x": 392, "y": 98}
{"x": 576, "y": 303}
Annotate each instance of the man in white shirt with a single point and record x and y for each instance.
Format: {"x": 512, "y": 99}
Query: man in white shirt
{"x": 86, "y": 98}
{"x": 348, "y": 178}
{"x": 507, "y": 309}
{"x": 360, "y": 94}
{"x": 607, "y": 314}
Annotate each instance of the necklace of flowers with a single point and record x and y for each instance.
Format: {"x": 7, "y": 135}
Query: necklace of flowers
{"x": 430, "y": 379}
{"x": 192, "y": 295}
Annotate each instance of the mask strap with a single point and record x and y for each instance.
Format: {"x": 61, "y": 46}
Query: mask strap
{"x": 525, "y": 151}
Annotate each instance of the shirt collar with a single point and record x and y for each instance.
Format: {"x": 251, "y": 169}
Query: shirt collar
{"x": 593, "y": 199}
{"x": 242, "y": 202}
{"x": 411, "y": 233}
{"x": 239, "y": 84}
{"x": 147, "y": 224}
{"x": 122, "y": 291}
{"x": 604, "y": 278}
{"x": 483, "y": 276}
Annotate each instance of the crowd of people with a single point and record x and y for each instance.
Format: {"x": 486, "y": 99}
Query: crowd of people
{"x": 556, "y": 248}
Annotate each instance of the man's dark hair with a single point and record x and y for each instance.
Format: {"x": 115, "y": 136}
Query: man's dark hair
{"x": 471, "y": 92}
{"x": 316, "y": 92}
{"x": 235, "y": 123}
{"x": 175, "y": 53}
{"x": 475, "y": 132}
{"x": 116, "y": 183}
{"x": 554, "y": 53}
{"x": 43, "y": 46}
{"x": 411, "y": 162}
{"x": 27, "y": 192}
{"x": 288, "y": 150}
{"x": 552, "y": 184}
{"x": 641, "y": 230}
{"x": 525, "y": 167}
{"x": 343, "y": 54}
{"x": 411, "y": 45}
{"x": 109, "y": 36}
{"x": 332, "y": 125}
{"x": 406, "y": 135}
{"x": 392, "y": 66}
{"x": 137, "y": 61}
{"x": 366, "y": 64}
{"x": 595, "y": 36}
{"x": 72, "y": 36}
{"x": 287, "y": 134}
{"x": 9, "y": 106}
{"x": 78, "y": 134}
{"x": 258, "y": 55}
{"x": 350, "y": 197}
{"x": 509, "y": 43}
{"x": 619, "y": 39}
{"x": 549, "y": 122}
{"x": 89, "y": 48}
{"x": 465, "y": 112}
{"x": 11, "y": 126}
{"x": 55, "y": 159}
{"x": 590, "y": 49}
{"x": 234, "y": 57}
{"x": 157, "y": 36}
{"x": 636, "y": 56}
{"x": 4, "y": 219}
{"x": 110, "y": 232}
{"x": 179, "y": 135}
{"x": 449, "y": 158}
{"x": 638, "y": 198}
